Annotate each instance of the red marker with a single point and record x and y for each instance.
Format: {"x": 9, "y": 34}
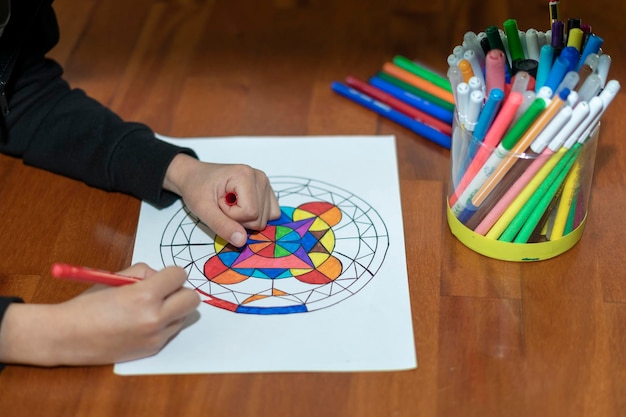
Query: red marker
{"x": 96, "y": 276}
{"x": 399, "y": 105}
{"x": 231, "y": 198}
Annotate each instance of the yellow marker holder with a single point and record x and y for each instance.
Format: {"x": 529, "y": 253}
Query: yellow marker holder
{"x": 462, "y": 141}
{"x": 516, "y": 252}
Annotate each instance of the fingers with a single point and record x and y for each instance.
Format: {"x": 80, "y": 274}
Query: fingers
{"x": 274, "y": 207}
{"x": 206, "y": 187}
{"x": 163, "y": 283}
{"x": 166, "y": 288}
{"x": 224, "y": 226}
{"x": 138, "y": 270}
{"x": 179, "y": 300}
{"x": 256, "y": 202}
{"x": 231, "y": 224}
{"x": 180, "y": 304}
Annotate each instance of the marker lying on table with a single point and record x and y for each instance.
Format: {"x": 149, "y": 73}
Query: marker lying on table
{"x": 90, "y": 275}
{"x": 411, "y": 99}
{"x": 398, "y": 105}
{"x": 398, "y": 117}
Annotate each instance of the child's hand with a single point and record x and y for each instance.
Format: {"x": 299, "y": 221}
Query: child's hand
{"x": 204, "y": 186}
{"x": 103, "y": 325}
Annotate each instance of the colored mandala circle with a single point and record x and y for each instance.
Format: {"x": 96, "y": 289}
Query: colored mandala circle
{"x": 325, "y": 247}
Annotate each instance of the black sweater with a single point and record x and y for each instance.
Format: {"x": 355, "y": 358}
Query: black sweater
{"x": 52, "y": 126}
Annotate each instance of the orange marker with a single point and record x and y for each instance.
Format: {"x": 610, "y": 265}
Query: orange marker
{"x": 466, "y": 70}
{"x": 418, "y": 82}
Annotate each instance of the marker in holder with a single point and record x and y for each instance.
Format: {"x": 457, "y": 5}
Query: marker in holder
{"x": 537, "y": 210}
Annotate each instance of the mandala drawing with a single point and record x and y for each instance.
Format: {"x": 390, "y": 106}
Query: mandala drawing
{"x": 325, "y": 247}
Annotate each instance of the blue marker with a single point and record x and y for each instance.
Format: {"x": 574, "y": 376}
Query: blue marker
{"x": 400, "y": 118}
{"x": 593, "y": 45}
{"x": 467, "y": 214}
{"x": 546, "y": 56}
{"x": 572, "y": 56}
{"x": 488, "y": 113}
{"x": 419, "y": 103}
{"x": 566, "y": 62}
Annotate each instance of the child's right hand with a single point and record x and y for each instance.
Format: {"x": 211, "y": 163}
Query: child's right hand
{"x": 101, "y": 326}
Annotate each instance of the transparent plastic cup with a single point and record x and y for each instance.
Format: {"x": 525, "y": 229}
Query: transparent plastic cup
{"x": 536, "y": 210}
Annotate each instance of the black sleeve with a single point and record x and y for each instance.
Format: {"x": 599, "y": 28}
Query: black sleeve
{"x": 60, "y": 129}
{"x": 4, "y": 304}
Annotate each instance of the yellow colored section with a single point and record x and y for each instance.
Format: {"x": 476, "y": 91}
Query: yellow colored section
{"x": 220, "y": 243}
{"x": 328, "y": 240}
{"x": 299, "y": 214}
{"x": 318, "y": 258}
{"x": 296, "y": 272}
{"x": 318, "y": 225}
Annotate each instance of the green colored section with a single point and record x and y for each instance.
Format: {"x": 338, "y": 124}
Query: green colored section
{"x": 282, "y": 231}
{"x": 280, "y": 252}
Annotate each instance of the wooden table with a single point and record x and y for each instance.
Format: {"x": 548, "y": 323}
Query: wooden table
{"x": 493, "y": 338}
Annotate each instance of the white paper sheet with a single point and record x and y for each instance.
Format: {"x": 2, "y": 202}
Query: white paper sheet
{"x": 358, "y": 321}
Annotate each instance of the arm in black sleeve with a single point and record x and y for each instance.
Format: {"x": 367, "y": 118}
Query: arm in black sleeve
{"x": 61, "y": 129}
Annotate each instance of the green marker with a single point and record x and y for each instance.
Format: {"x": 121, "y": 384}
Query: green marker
{"x": 513, "y": 39}
{"x": 555, "y": 181}
{"x": 528, "y": 208}
{"x": 521, "y": 126}
{"x": 420, "y": 71}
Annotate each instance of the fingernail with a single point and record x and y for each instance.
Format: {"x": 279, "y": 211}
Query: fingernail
{"x": 238, "y": 239}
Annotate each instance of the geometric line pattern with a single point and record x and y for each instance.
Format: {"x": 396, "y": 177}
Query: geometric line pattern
{"x": 326, "y": 246}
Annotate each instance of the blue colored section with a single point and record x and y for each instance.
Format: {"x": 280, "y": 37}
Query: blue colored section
{"x": 272, "y": 310}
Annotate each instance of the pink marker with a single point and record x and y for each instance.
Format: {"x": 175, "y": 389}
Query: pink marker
{"x": 492, "y": 138}
{"x": 495, "y": 70}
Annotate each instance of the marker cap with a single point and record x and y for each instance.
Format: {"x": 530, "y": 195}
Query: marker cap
{"x": 526, "y": 65}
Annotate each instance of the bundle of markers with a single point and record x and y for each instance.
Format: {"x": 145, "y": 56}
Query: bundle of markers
{"x": 528, "y": 106}
{"x": 409, "y": 94}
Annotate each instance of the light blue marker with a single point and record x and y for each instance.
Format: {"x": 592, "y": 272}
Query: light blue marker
{"x": 546, "y": 55}
{"x": 488, "y": 113}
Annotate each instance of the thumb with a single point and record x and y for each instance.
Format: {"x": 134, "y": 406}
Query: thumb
{"x": 225, "y": 227}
